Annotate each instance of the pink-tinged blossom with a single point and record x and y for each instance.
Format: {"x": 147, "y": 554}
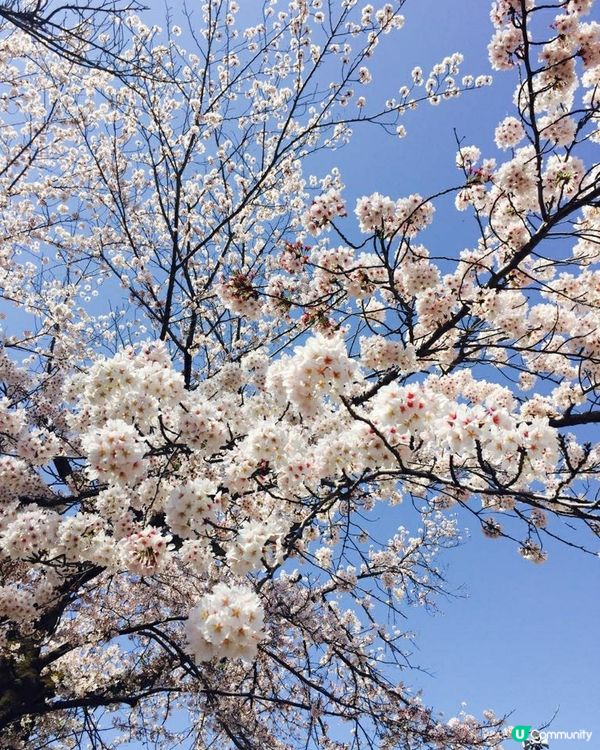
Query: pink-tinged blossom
{"x": 198, "y": 428}
{"x": 504, "y": 48}
{"x": 380, "y": 353}
{"x": 502, "y": 10}
{"x": 239, "y": 295}
{"x": 560, "y": 129}
{"x": 532, "y": 552}
{"x": 380, "y": 214}
{"x": 580, "y": 7}
{"x": 320, "y": 367}
{"x": 30, "y": 533}
{"x": 323, "y": 210}
{"x": 467, "y": 157}
{"x": 376, "y": 213}
{"x": 145, "y": 552}
{"x": 510, "y": 132}
{"x": 563, "y": 176}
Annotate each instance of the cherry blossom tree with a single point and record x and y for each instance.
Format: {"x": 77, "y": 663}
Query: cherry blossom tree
{"x": 223, "y": 371}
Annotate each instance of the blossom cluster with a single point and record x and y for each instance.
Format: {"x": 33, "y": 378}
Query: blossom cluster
{"x": 324, "y": 209}
{"x": 226, "y": 623}
{"x": 381, "y": 214}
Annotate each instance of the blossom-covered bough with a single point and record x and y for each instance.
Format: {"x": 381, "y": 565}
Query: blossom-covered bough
{"x": 86, "y": 33}
{"x": 216, "y": 374}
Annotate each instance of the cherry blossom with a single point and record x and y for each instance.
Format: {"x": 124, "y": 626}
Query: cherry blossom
{"x": 216, "y": 374}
